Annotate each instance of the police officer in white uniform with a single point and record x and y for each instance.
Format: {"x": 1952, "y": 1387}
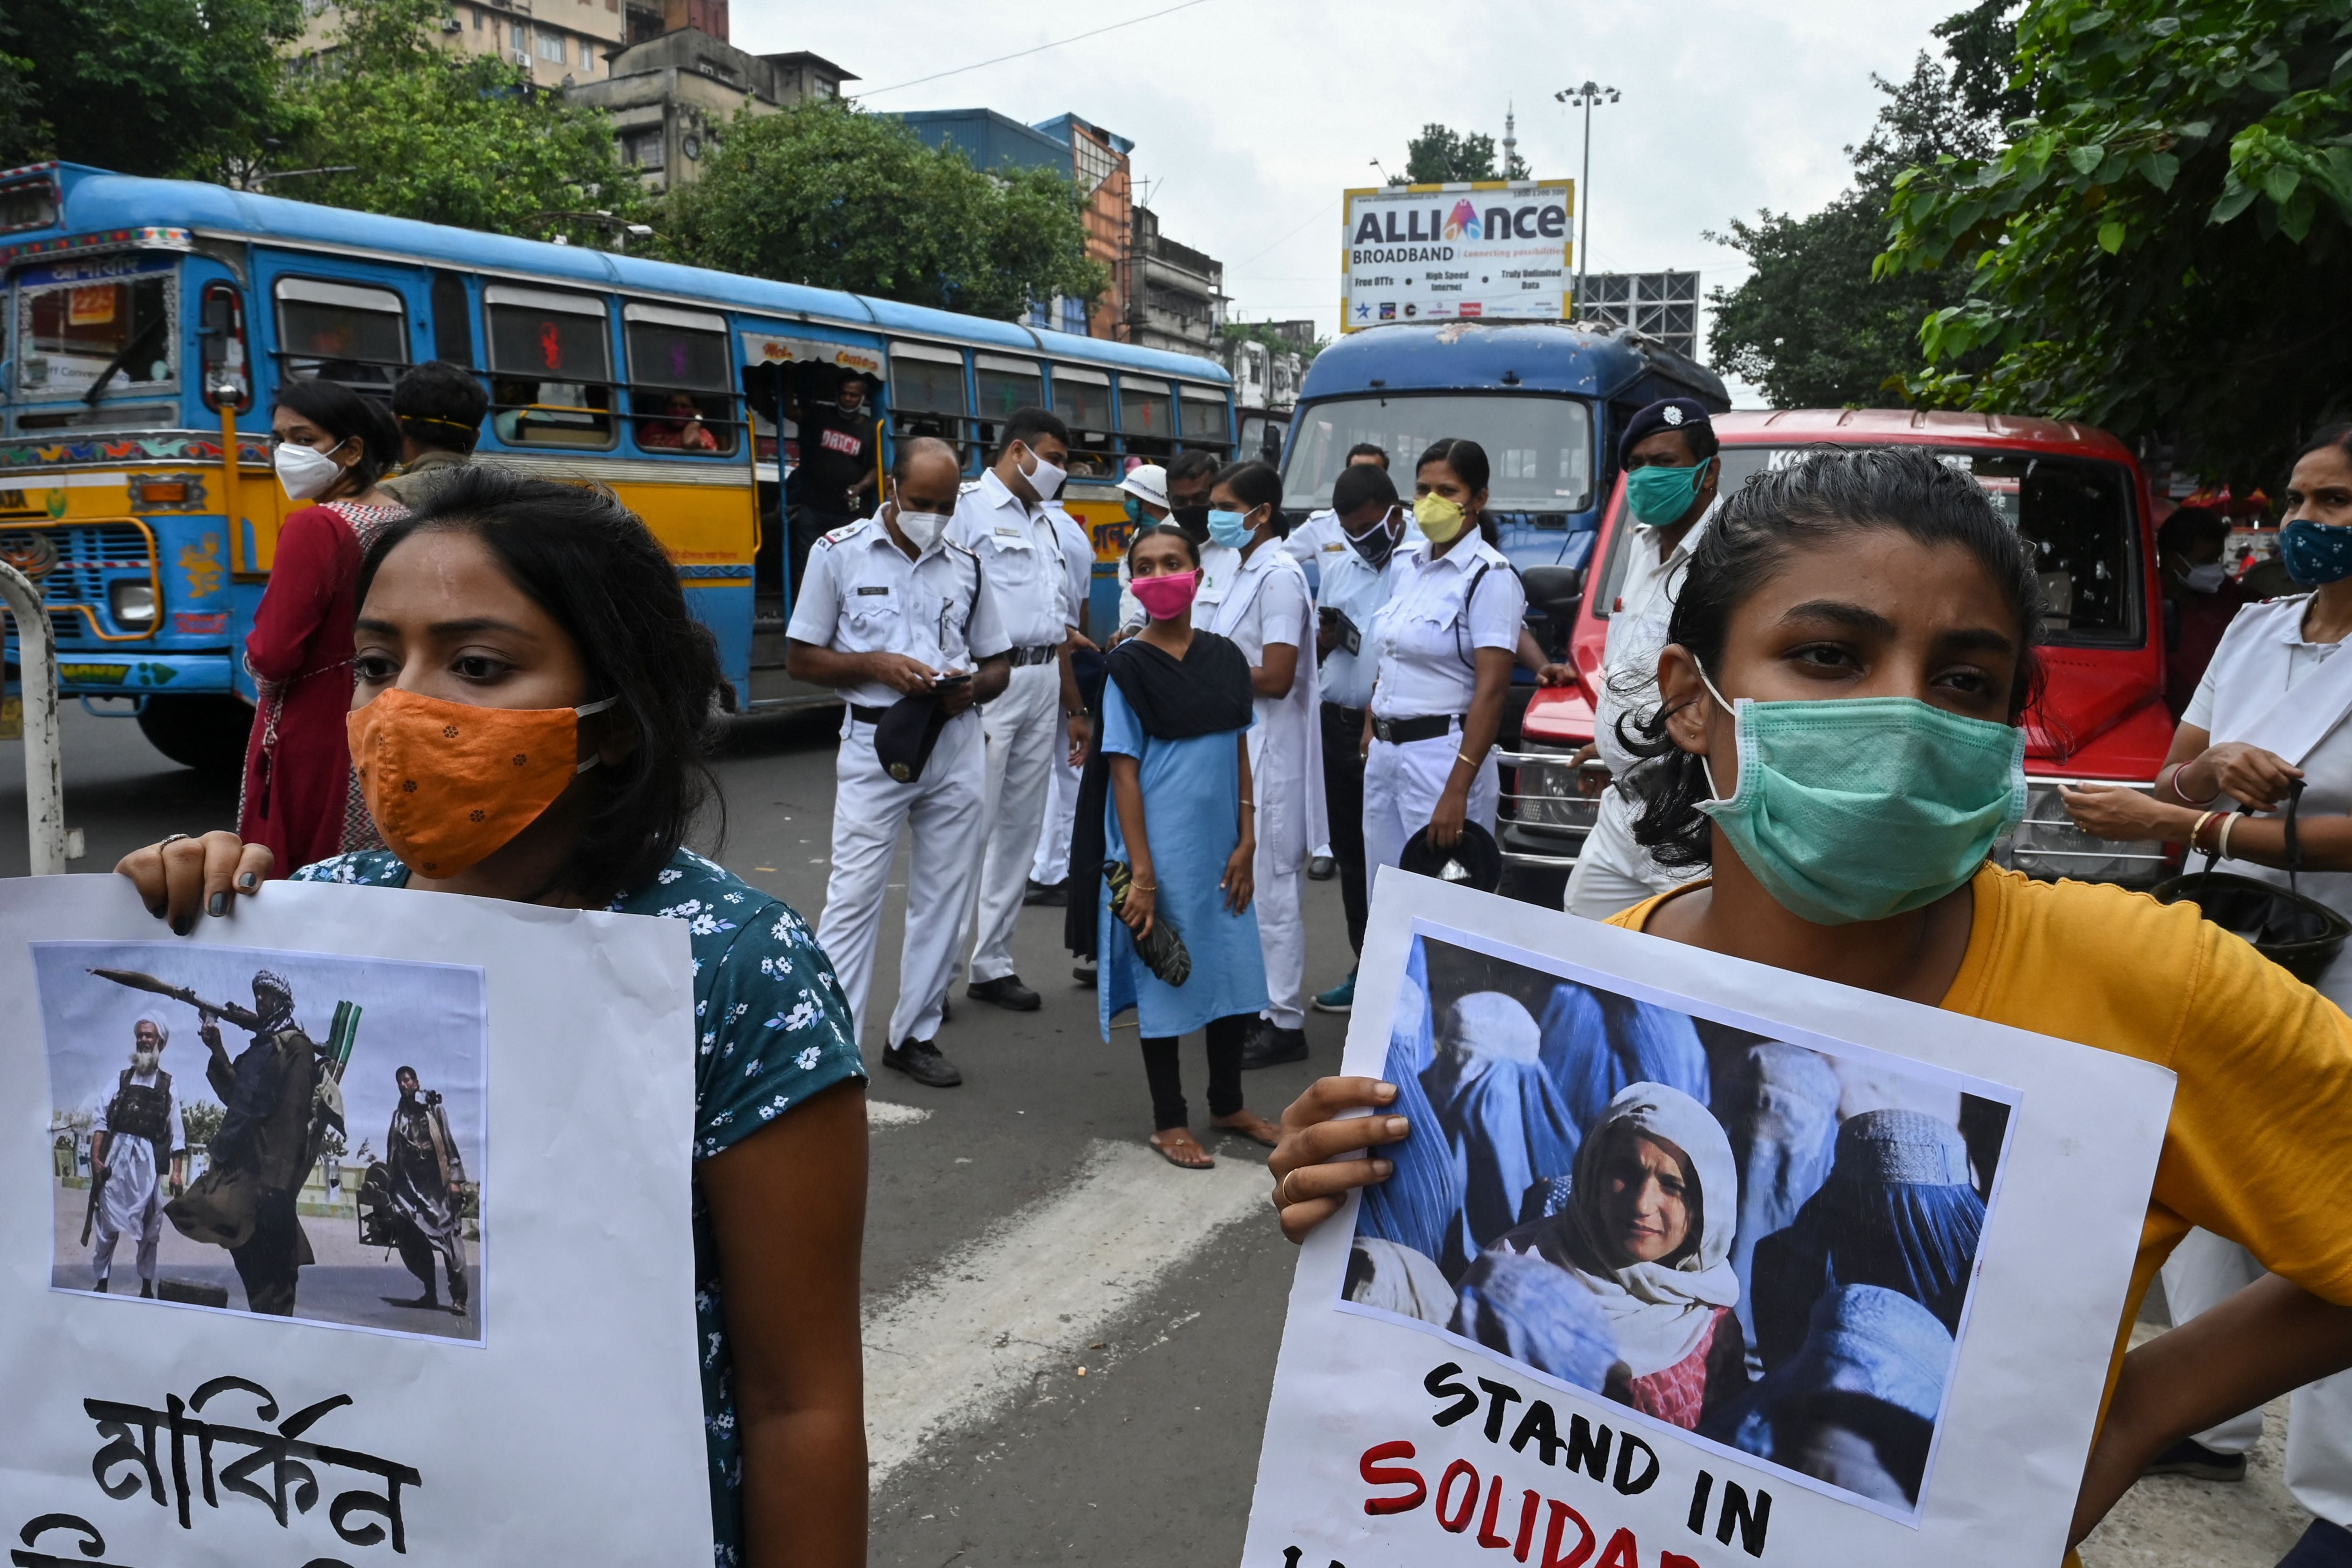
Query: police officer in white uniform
{"x": 1319, "y": 542}
{"x": 1354, "y": 584}
{"x": 1267, "y": 612}
{"x": 1038, "y": 570}
{"x": 2274, "y": 705}
{"x": 888, "y": 608}
{"x": 1445, "y": 641}
{"x": 1185, "y": 489}
{"x": 1672, "y": 475}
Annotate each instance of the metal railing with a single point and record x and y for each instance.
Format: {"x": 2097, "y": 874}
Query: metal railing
{"x": 1543, "y": 797}
{"x": 36, "y": 660}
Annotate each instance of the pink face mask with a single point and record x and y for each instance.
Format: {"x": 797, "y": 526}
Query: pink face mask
{"x": 1165, "y": 598}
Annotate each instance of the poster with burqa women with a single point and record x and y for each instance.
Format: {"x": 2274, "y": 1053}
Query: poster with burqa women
{"x": 353, "y": 1228}
{"x": 1688, "y": 1262}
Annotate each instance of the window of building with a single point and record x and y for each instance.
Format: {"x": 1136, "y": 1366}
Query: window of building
{"x": 478, "y": 18}
{"x": 1073, "y": 317}
{"x": 346, "y": 332}
{"x": 1093, "y": 161}
{"x": 550, "y": 366}
{"x": 521, "y": 37}
{"x": 643, "y": 149}
{"x": 681, "y": 379}
{"x": 551, "y": 47}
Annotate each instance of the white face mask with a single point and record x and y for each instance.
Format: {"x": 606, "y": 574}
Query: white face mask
{"x": 922, "y": 529}
{"x": 2206, "y": 578}
{"x": 305, "y": 473}
{"x": 1042, "y": 475}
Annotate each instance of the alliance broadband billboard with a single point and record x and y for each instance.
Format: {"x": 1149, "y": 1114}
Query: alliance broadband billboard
{"x": 1490, "y": 250}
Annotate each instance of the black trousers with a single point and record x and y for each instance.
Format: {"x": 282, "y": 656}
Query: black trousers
{"x": 266, "y": 1264}
{"x": 1161, "y": 1068}
{"x": 808, "y": 526}
{"x": 1343, "y": 797}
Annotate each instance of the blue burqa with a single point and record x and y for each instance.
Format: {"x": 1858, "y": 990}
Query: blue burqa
{"x": 1419, "y": 1205}
{"x": 1502, "y": 1114}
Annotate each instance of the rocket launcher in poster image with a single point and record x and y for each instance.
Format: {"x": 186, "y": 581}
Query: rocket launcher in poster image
{"x": 1406, "y": 1477}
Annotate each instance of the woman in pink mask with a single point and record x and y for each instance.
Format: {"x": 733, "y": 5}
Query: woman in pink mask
{"x": 1180, "y": 831}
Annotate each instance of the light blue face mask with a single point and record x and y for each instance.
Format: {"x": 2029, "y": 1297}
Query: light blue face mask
{"x": 1658, "y": 496}
{"x": 1863, "y": 807}
{"x": 1230, "y": 528}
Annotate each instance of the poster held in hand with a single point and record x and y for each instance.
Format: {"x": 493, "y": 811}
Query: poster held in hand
{"x": 267, "y": 1377}
{"x": 1691, "y": 1262}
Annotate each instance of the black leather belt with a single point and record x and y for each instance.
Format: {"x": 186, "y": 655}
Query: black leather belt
{"x": 1344, "y": 713}
{"x": 1027, "y": 656}
{"x": 1405, "y": 731}
{"x": 866, "y": 715}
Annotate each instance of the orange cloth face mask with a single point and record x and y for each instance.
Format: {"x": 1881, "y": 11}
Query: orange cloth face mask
{"x": 450, "y": 784}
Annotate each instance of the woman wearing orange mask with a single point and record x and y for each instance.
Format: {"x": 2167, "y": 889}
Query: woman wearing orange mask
{"x": 527, "y": 722}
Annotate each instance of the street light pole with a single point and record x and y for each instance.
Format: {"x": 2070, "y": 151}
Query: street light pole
{"x": 1584, "y": 95}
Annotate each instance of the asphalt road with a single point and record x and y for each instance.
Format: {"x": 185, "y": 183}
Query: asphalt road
{"x": 1018, "y": 1233}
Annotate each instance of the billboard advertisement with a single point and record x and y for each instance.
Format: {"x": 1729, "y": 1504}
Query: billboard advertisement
{"x": 1489, "y": 249}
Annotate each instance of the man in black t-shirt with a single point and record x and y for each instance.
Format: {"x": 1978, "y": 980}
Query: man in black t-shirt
{"x": 835, "y": 477}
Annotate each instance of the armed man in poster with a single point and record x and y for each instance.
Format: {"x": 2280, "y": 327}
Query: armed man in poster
{"x": 427, "y": 1191}
{"x": 136, "y": 1138}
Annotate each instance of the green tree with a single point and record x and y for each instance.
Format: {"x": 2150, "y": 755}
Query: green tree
{"x": 1440, "y": 155}
{"x": 829, "y": 195}
{"x": 145, "y": 87}
{"x": 420, "y": 131}
{"x": 2163, "y": 245}
{"x": 1810, "y": 326}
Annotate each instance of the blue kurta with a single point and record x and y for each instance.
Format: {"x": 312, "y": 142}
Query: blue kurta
{"x": 1191, "y": 810}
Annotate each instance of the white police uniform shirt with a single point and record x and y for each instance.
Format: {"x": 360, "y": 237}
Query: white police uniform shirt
{"x": 859, "y": 594}
{"x": 1077, "y": 559}
{"x": 1037, "y": 574}
{"x": 1427, "y": 640}
{"x": 1358, "y": 590}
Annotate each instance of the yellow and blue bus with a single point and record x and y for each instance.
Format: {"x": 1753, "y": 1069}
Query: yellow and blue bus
{"x": 148, "y": 322}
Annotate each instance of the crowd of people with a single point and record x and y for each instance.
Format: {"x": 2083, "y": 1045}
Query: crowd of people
{"x": 1813, "y": 730}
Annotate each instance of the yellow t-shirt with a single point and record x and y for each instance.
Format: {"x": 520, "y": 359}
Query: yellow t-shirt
{"x": 2259, "y": 1146}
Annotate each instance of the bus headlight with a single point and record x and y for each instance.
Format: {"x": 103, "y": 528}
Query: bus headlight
{"x": 132, "y": 604}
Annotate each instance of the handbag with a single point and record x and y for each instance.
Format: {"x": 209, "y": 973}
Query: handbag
{"x": 2301, "y": 935}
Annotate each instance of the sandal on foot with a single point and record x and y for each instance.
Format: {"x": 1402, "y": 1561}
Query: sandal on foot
{"x": 1178, "y": 1140}
{"x": 1249, "y": 1124}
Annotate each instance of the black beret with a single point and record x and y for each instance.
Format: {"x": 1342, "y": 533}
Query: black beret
{"x": 906, "y": 733}
{"x": 1473, "y": 858}
{"x": 1665, "y": 414}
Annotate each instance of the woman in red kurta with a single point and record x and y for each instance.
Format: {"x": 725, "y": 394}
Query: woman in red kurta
{"x": 332, "y": 445}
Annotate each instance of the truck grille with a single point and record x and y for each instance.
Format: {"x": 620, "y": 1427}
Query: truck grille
{"x": 78, "y": 562}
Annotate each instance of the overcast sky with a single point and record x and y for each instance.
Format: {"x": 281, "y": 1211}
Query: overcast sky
{"x": 1249, "y": 118}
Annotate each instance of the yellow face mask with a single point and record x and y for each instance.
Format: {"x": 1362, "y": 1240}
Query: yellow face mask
{"x": 1439, "y": 519}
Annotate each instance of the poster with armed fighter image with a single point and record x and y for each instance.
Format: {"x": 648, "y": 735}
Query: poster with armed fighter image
{"x": 310, "y": 1220}
{"x": 1687, "y": 1262}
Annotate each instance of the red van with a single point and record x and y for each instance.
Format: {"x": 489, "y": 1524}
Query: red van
{"x": 2076, "y": 492}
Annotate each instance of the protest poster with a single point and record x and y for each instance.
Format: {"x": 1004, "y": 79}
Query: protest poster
{"x": 1689, "y": 1262}
{"x": 402, "y": 1271}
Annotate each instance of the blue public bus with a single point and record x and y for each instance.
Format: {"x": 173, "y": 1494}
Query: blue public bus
{"x": 148, "y": 322}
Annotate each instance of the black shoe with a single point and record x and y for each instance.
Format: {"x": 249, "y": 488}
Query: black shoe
{"x": 99, "y": 1287}
{"x": 1006, "y": 991}
{"x": 1322, "y": 869}
{"x": 2190, "y": 1458}
{"x": 146, "y": 1289}
{"x": 1086, "y": 975}
{"x": 921, "y": 1060}
{"x": 1269, "y": 1046}
{"x": 1056, "y": 895}
{"x": 2324, "y": 1545}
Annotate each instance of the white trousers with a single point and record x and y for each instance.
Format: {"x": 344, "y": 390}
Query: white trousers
{"x": 1052, "y": 863}
{"x": 1280, "y": 893}
{"x": 131, "y": 1202}
{"x": 1402, "y": 784}
{"x": 1024, "y": 730}
{"x": 2203, "y": 1270}
{"x": 1612, "y": 872}
{"x": 942, "y": 809}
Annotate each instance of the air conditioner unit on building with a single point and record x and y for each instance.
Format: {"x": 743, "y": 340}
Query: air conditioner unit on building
{"x": 451, "y": 24}
{"x": 522, "y": 58}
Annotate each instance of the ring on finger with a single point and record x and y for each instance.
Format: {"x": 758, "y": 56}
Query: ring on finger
{"x": 1282, "y": 1193}
{"x": 169, "y": 838}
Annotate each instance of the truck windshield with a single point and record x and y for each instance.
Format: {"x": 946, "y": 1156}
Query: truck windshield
{"x": 2077, "y": 515}
{"x": 1539, "y": 449}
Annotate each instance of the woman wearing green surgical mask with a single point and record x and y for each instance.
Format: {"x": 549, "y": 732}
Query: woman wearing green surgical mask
{"x": 1850, "y": 657}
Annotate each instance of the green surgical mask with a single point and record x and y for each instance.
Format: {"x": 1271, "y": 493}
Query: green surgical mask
{"x": 1864, "y": 807}
{"x": 1659, "y": 495}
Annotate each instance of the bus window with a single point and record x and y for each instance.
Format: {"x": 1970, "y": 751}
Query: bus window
{"x": 341, "y": 332}
{"x": 1201, "y": 417}
{"x": 1005, "y": 384}
{"x": 76, "y": 321}
{"x": 550, "y": 367}
{"x": 927, "y": 395}
{"x": 1082, "y": 398}
{"x": 453, "y": 323}
{"x": 681, "y": 380}
{"x": 1146, "y": 416}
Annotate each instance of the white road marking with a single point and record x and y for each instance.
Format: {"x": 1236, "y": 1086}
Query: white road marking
{"x": 883, "y": 1114}
{"x": 966, "y": 1340}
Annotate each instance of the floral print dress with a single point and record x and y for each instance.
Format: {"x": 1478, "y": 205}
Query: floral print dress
{"x": 772, "y": 1031}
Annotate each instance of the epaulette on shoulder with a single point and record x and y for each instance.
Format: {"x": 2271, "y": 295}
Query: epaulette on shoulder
{"x": 841, "y": 535}
{"x": 966, "y": 488}
{"x": 964, "y": 549}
